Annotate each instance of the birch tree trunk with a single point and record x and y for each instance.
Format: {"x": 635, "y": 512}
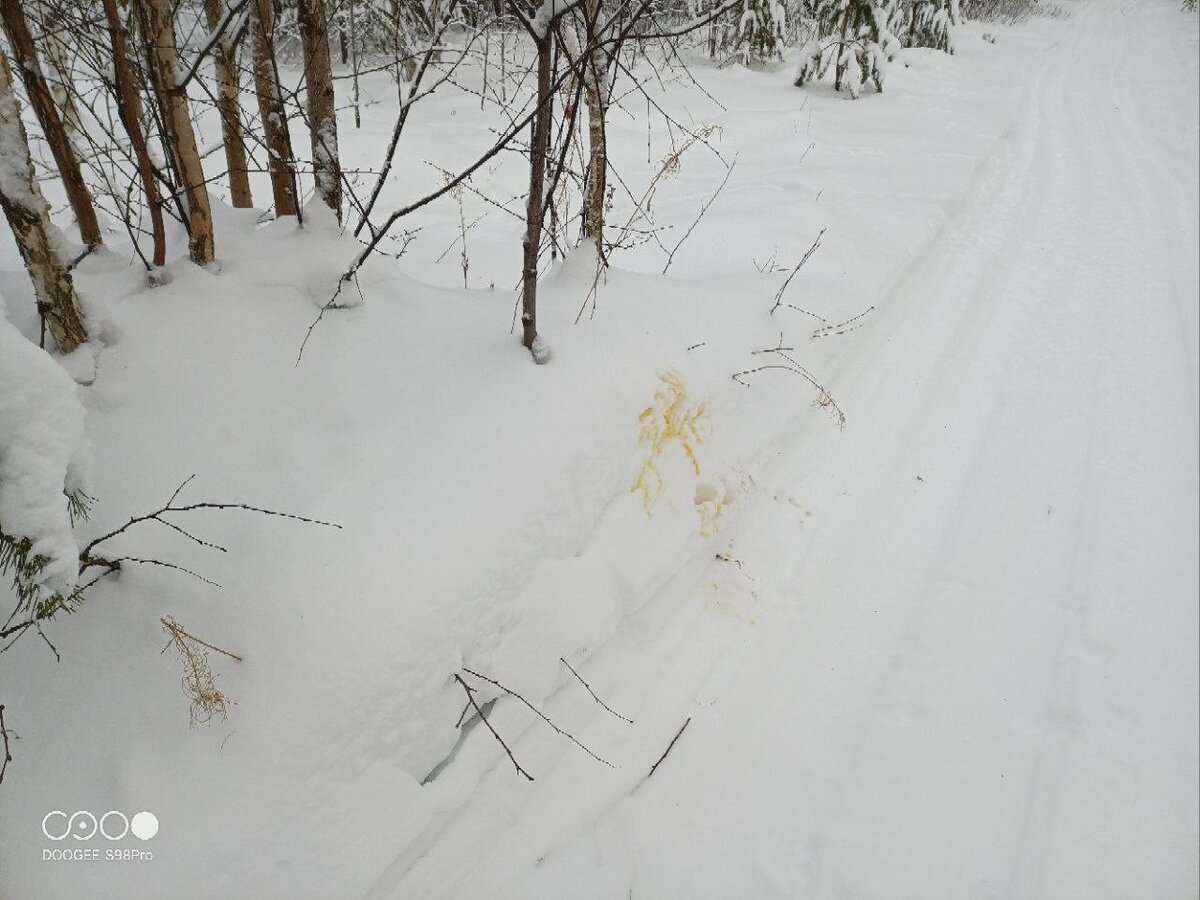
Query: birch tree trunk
{"x": 129, "y": 111}
{"x": 402, "y": 55}
{"x": 534, "y": 209}
{"x": 322, "y": 115}
{"x": 46, "y": 110}
{"x": 158, "y": 28}
{"x": 271, "y": 110}
{"x": 595, "y": 94}
{"x": 57, "y": 32}
{"x": 229, "y": 108}
{"x": 29, "y": 216}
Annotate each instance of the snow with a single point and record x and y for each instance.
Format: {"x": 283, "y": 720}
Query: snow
{"x": 14, "y": 157}
{"x": 43, "y": 451}
{"x": 946, "y": 651}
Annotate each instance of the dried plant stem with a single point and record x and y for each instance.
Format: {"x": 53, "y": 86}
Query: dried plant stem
{"x": 779, "y": 294}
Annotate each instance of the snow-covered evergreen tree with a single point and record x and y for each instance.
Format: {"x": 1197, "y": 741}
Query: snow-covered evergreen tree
{"x": 928, "y": 24}
{"x": 855, "y": 37}
{"x": 758, "y": 34}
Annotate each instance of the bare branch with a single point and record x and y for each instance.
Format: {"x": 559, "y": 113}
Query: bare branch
{"x": 669, "y": 746}
{"x": 471, "y": 699}
{"x": 593, "y": 693}
{"x": 540, "y": 714}
{"x": 7, "y": 749}
{"x": 779, "y": 294}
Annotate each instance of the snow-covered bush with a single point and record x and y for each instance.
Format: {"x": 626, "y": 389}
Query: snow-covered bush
{"x": 855, "y": 36}
{"x": 1009, "y": 12}
{"x": 759, "y": 33}
{"x": 927, "y": 24}
{"x": 43, "y": 485}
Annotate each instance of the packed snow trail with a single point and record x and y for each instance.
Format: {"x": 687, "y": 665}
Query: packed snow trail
{"x": 972, "y": 665}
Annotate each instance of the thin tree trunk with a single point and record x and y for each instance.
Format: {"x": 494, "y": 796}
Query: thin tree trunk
{"x": 354, "y": 67}
{"x": 402, "y": 55}
{"x": 229, "y": 108}
{"x": 840, "y": 67}
{"x": 57, "y": 32}
{"x": 46, "y": 111}
{"x": 158, "y": 28}
{"x": 29, "y": 217}
{"x": 435, "y": 26}
{"x": 129, "y": 110}
{"x": 533, "y": 210}
{"x": 271, "y": 109}
{"x": 322, "y": 114}
{"x": 595, "y": 84}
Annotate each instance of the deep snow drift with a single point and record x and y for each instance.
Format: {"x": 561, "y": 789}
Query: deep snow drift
{"x": 947, "y": 651}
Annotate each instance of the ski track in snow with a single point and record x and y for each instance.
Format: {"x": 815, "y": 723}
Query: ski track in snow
{"x": 979, "y": 683}
{"x": 948, "y": 652}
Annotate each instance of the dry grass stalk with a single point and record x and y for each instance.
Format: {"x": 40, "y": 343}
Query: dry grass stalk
{"x": 199, "y": 683}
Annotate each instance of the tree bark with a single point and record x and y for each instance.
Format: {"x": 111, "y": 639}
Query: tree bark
{"x": 29, "y": 216}
{"x": 129, "y": 111}
{"x": 229, "y": 108}
{"x": 46, "y": 110}
{"x": 57, "y": 31}
{"x": 840, "y": 67}
{"x": 406, "y": 63}
{"x": 533, "y": 209}
{"x": 595, "y": 84}
{"x": 322, "y": 115}
{"x": 158, "y": 28}
{"x": 271, "y": 109}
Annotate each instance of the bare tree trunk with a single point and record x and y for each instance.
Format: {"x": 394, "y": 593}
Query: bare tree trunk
{"x": 322, "y": 115}
{"x": 840, "y": 67}
{"x": 158, "y": 28}
{"x": 128, "y": 108}
{"x": 229, "y": 108}
{"x": 435, "y": 26}
{"x": 46, "y": 111}
{"x": 402, "y": 55}
{"x": 29, "y": 217}
{"x": 595, "y": 84}
{"x": 534, "y": 208}
{"x": 271, "y": 110}
{"x": 354, "y": 67}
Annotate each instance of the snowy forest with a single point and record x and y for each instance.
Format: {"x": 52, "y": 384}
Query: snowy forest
{"x": 583, "y": 449}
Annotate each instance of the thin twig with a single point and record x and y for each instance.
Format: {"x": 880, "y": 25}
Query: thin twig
{"x": 824, "y": 398}
{"x": 173, "y": 626}
{"x": 190, "y": 507}
{"x": 779, "y": 295}
{"x": 850, "y": 324}
{"x": 115, "y": 564}
{"x": 471, "y": 699}
{"x": 7, "y": 751}
{"x": 593, "y": 693}
{"x": 540, "y": 715}
{"x": 38, "y": 627}
{"x": 703, "y": 209}
{"x": 669, "y": 746}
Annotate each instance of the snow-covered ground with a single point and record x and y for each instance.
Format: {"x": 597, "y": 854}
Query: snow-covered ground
{"x": 948, "y": 651}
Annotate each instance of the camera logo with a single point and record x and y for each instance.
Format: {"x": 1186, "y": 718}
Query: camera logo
{"x": 113, "y": 825}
